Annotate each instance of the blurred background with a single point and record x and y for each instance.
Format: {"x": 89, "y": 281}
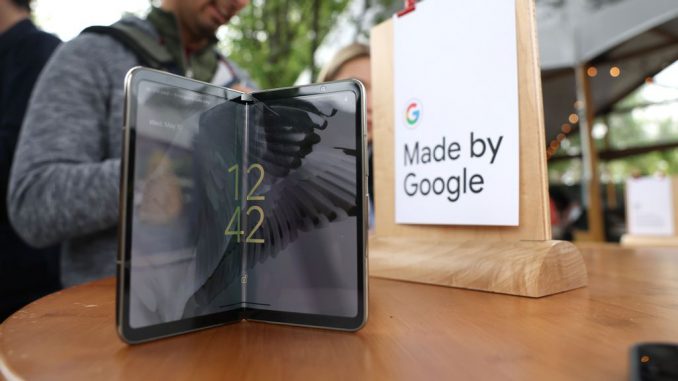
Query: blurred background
{"x": 609, "y": 73}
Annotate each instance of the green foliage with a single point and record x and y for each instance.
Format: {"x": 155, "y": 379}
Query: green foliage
{"x": 635, "y": 125}
{"x": 635, "y": 122}
{"x": 652, "y": 163}
{"x": 566, "y": 172}
{"x": 275, "y": 40}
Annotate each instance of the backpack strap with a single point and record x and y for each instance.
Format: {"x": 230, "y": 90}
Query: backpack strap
{"x": 147, "y": 49}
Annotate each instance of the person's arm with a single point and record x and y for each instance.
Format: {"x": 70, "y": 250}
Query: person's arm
{"x": 63, "y": 184}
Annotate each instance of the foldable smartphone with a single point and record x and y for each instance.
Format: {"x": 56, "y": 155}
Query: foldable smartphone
{"x": 241, "y": 206}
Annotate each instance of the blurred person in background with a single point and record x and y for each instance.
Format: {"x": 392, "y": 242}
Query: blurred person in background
{"x": 64, "y": 186}
{"x": 353, "y": 62}
{"x": 25, "y": 273}
{"x": 566, "y": 215}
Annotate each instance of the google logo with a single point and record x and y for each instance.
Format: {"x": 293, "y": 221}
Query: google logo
{"x": 413, "y": 113}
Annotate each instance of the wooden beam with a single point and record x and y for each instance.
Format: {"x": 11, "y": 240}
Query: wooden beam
{"x": 619, "y": 154}
{"x": 611, "y": 201}
{"x": 596, "y": 230}
{"x": 664, "y": 33}
{"x": 607, "y": 107}
{"x": 608, "y": 155}
{"x": 628, "y": 109}
{"x": 607, "y": 58}
{"x": 547, "y": 75}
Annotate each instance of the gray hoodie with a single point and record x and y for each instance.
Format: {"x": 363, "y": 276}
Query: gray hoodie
{"x": 64, "y": 185}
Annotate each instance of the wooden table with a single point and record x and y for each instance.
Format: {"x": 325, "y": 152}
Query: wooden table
{"x": 414, "y": 332}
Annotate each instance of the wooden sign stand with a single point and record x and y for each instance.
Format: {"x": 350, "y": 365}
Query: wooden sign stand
{"x": 635, "y": 240}
{"x": 521, "y": 260}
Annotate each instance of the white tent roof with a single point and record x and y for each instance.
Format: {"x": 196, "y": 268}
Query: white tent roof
{"x": 575, "y": 31}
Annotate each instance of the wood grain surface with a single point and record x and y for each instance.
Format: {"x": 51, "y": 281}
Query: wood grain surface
{"x": 525, "y": 268}
{"x": 534, "y": 208}
{"x": 414, "y": 332}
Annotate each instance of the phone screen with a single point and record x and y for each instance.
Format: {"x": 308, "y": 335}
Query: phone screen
{"x": 181, "y": 193}
{"x": 296, "y": 210}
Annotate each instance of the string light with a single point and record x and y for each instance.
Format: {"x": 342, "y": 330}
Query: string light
{"x": 592, "y": 71}
{"x": 615, "y": 71}
{"x": 565, "y": 129}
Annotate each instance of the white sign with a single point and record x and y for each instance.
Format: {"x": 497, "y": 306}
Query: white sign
{"x": 456, "y": 113}
{"x": 649, "y": 206}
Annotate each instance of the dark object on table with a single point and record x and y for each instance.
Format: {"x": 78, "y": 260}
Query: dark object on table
{"x": 654, "y": 362}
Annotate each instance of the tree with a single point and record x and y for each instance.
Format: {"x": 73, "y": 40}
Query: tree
{"x": 275, "y": 40}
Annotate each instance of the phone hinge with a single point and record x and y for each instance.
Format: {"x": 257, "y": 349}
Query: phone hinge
{"x": 247, "y": 98}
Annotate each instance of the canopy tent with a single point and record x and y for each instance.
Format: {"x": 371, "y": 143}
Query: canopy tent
{"x": 639, "y": 37}
{"x": 593, "y": 54}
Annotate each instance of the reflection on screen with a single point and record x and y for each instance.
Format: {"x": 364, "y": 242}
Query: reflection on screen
{"x": 308, "y": 261}
{"x": 243, "y": 206}
{"x": 176, "y": 238}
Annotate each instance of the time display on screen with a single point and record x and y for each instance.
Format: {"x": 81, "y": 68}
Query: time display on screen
{"x": 234, "y": 224}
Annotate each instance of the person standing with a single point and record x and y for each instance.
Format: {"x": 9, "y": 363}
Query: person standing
{"x": 26, "y": 273}
{"x": 64, "y": 186}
